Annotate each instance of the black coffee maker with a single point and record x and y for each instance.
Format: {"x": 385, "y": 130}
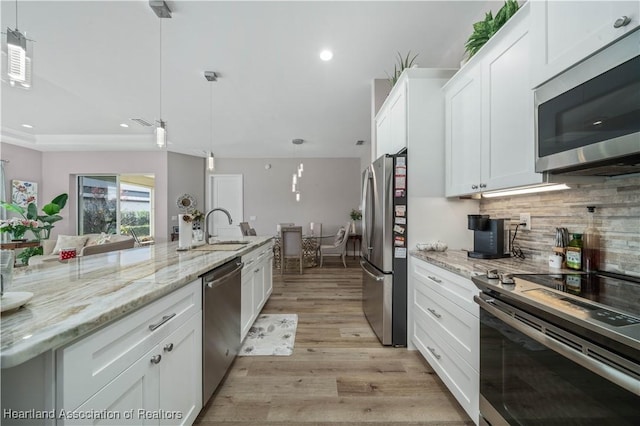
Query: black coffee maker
{"x": 490, "y": 237}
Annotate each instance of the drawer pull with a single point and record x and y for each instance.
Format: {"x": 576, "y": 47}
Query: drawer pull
{"x": 622, "y": 21}
{"x": 156, "y": 359}
{"x": 256, "y": 270}
{"x": 434, "y": 353}
{"x": 434, "y": 279}
{"x": 162, "y": 321}
{"x": 168, "y": 347}
{"x": 435, "y": 314}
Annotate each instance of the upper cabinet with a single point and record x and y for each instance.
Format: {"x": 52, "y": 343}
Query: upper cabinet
{"x": 490, "y": 117}
{"x": 566, "y": 32}
{"x": 391, "y": 121}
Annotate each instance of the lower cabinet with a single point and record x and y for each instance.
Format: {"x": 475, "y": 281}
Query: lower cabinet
{"x": 152, "y": 370}
{"x": 257, "y": 285}
{"x": 445, "y": 328}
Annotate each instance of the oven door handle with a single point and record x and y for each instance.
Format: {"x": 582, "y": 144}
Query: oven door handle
{"x": 619, "y": 378}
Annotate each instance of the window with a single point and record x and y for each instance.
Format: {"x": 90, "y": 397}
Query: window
{"x": 115, "y": 204}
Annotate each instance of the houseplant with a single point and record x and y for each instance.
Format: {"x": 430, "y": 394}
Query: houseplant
{"x": 400, "y": 66}
{"x": 484, "y": 30}
{"x": 354, "y": 215}
{"x": 40, "y": 225}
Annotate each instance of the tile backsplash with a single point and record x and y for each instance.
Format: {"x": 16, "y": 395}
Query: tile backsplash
{"x": 617, "y": 218}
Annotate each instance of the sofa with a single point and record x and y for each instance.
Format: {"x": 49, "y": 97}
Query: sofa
{"x": 85, "y": 245}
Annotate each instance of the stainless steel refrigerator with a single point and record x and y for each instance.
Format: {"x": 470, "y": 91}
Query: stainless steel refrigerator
{"x": 384, "y": 253}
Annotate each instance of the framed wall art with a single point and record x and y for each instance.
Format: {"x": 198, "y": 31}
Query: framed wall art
{"x": 23, "y": 192}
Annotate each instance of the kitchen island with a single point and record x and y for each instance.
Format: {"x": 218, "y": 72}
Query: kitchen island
{"x": 89, "y": 299}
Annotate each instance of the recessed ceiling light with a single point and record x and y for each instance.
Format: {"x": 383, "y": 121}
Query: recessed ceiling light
{"x": 124, "y": 125}
{"x": 28, "y": 126}
{"x": 326, "y": 55}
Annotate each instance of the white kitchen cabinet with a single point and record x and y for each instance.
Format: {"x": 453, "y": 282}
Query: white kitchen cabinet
{"x": 489, "y": 115}
{"x": 463, "y": 131}
{"x": 391, "y": 121}
{"x": 257, "y": 285}
{"x": 149, "y": 360}
{"x": 168, "y": 377}
{"x": 444, "y": 326}
{"x": 566, "y": 32}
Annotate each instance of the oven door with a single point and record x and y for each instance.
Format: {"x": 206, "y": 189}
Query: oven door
{"x": 524, "y": 380}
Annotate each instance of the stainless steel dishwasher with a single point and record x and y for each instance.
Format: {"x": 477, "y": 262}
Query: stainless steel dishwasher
{"x": 220, "y": 323}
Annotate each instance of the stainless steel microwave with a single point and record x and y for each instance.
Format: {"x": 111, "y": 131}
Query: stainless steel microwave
{"x": 588, "y": 118}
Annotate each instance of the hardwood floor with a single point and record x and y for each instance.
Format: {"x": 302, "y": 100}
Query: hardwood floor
{"x": 339, "y": 374}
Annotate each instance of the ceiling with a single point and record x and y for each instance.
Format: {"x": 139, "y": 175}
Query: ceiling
{"x": 97, "y": 64}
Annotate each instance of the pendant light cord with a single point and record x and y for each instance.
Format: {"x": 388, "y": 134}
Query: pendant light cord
{"x": 160, "y": 67}
{"x": 16, "y": 15}
{"x": 211, "y": 115}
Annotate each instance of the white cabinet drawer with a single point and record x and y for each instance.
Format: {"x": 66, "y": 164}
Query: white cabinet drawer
{"x": 458, "y": 289}
{"x": 459, "y": 377}
{"x": 88, "y": 365}
{"x": 457, "y": 327}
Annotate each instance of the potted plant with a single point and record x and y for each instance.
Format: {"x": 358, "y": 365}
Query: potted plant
{"x": 354, "y": 215}
{"x": 403, "y": 63}
{"x": 484, "y": 30}
{"x": 30, "y": 220}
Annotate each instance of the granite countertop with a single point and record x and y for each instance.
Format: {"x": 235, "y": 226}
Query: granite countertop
{"x": 459, "y": 263}
{"x": 75, "y": 297}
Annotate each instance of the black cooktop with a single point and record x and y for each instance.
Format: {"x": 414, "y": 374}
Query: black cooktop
{"x": 611, "y": 290}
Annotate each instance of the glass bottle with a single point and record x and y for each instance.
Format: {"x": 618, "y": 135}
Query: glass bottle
{"x": 591, "y": 243}
{"x": 574, "y": 252}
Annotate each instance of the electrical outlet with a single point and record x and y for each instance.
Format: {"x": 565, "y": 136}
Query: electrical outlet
{"x": 174, "y": 218}
{"x": 252, "y": 218}
{"x": 526, "y": 219}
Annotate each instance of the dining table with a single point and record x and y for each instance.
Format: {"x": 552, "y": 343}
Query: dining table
{"x": 310, "y": 246}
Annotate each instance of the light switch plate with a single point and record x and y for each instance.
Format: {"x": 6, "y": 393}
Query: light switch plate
{"x": 252, "y": 218}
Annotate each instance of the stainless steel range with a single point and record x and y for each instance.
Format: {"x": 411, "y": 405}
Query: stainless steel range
{"x": 559, "y": 349}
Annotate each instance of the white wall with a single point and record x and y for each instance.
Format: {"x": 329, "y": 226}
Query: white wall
{"x": 330, "y": 188}
{"x": 186, "y": 176}
{"x": 61, "y": 168}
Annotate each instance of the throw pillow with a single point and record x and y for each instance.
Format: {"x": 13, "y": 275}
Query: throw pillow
{"x": 339, "y": 236}
{"x": 70, "y": 241}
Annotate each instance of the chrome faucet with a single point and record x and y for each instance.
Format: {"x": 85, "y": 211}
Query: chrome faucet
{"x": 206, "y": 221}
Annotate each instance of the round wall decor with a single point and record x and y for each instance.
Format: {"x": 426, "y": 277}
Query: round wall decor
{"x": 186, "y": 202}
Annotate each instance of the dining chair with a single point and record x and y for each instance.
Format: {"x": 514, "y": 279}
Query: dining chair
{"x": 290, "y": 246}
{"x": 252, "y": 232}
{"x": 244, "y": 228}
{"x": 339, "y": 246}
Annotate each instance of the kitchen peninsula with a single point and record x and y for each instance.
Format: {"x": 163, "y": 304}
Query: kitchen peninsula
{"x": 75, "y": 300}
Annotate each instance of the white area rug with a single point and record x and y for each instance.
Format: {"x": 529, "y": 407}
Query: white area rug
{"x": 271, "y": 334}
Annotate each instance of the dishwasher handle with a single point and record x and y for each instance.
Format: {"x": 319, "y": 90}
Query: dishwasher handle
{"x": 217, "y": 282}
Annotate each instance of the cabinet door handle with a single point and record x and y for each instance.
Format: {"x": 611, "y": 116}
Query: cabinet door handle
{"x": 156, "y": 359}
{"x": 435, "y": 314}
{"x": 483, "y": 185}
{"x": 256, "y": 270}
{"x": 434, "y": 279}
{"x": 434, "y": 353}
{"x": 474, "y": 186}
{"x": 168, "y": 347}
{"x": 622, "y": 21}
{"x": 162, "y": 321}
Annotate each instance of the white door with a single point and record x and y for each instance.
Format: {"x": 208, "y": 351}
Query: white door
{"x": 225, "y": 191}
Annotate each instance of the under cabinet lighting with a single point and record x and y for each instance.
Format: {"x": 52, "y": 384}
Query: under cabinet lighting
{"x": 526, "y": 190}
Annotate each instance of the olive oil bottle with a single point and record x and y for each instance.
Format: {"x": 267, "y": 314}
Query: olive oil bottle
{"x": 574, "y": 252}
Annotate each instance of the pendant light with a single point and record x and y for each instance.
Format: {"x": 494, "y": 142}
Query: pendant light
{"x": 211, "y": 76}
{"x": 299, "y": 170}
{"x": 18, "y": 58}
{"x": 161, "y": 9}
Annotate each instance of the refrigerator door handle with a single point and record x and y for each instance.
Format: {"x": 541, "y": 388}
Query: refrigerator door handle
{"x": 375, "y": 277}
{"x": 366, "y": 220}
